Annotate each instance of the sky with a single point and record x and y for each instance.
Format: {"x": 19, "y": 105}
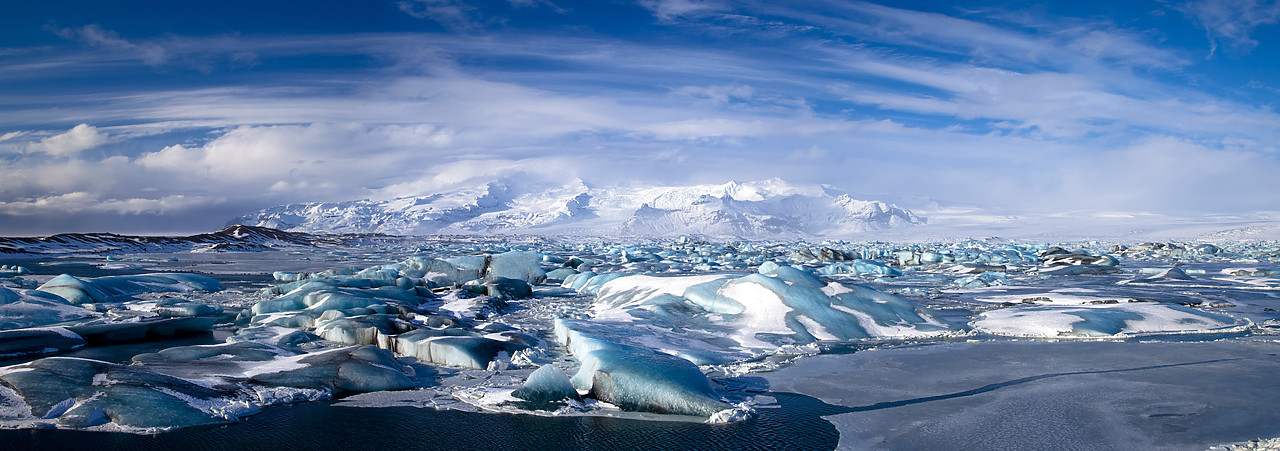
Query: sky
{"x": 174, "y": 117}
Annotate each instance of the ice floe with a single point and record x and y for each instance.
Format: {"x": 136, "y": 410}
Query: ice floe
{"x": 1103, "y": 320}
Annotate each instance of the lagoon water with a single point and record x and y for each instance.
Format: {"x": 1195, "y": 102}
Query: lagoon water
{"x": 795, "y": 424}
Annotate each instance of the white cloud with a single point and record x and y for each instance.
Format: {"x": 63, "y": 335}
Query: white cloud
{"x": 248, "y": 159}
{"x": 670, "y": 10}
{"x": 536, "y": 3}
{"x": 82, "y": 202}
{"x": 1059, "y": 43}
{"x": 1118, "y": 47}
{"x": 1168, "y": 174}
{"x": 454, "y": 14}
{"x": 13, "y": 135}
{"x": 813, "y": 153}
{"x": 1252, "y": 84}
{"x": 717, "y": 95}
{"x": 1059, "y": 105}
{"x": 94, "y": 35}
{"x": 1232, "y": 21}
{"x": 79, "y": 138}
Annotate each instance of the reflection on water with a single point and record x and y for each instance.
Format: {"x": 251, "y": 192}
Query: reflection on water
{"x": 795, "y": 424}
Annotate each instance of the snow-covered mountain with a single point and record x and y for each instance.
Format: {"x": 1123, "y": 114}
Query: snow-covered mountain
{"x": 764, "y": 209}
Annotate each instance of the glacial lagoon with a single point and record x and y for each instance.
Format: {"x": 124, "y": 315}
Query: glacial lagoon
{"x": 666, "y": 344}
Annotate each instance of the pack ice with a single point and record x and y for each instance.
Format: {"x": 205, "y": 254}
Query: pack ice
{"x": 581, "y": 327}
{"x": 779, "y": 305}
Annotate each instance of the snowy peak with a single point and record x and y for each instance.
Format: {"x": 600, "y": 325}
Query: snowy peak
{"x": 772, "y": 214}
{"x": 764, "y": 209}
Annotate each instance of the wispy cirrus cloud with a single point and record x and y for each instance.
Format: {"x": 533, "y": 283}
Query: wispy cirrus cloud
{"x": 454, "y": 14}
{"x": 1232, "y": 21}
{"x": 468, "y": 16}
{"x": 671, "y": 10}
{"x": 94, "y": 35}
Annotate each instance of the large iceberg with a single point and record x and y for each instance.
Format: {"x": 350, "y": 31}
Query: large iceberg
{"x": 38, "y": 341}
{"x": 78, "y": 393}
{"x": 113, "y": 331}
{"x": 29, "y": 308}
{"x": 780, "y": 305}
{"x": 104, "y": 289}
{"x": 1101, "y": 320}
{"x": 635, "y": 378}
{"x": 452, "y": 347}
{"x": 188, "y": 386}
{"x": 646, "y": 381}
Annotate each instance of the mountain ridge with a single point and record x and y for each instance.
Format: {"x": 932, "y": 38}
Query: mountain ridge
{"x": 236, "y": 238}
{"x": 763, "y": 209}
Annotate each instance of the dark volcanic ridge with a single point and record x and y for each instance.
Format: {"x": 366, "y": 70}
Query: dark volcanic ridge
{"x": 235, "y": 238}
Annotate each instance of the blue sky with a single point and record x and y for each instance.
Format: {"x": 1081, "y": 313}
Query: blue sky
{"x": 167, "y": 117}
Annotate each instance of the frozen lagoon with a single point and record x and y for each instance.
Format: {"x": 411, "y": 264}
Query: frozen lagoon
{"x": 1006, "y": 375}
{"x": 1035, "y": 395}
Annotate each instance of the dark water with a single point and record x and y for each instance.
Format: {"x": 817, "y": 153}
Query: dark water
{"x": 795, "y": 424}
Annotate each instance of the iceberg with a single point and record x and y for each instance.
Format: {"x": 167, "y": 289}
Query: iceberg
{"x": 30, "y": 308}
{"x": 559, "y": 274}
{"x": 546, "y": 384}
{"x": 1164, "y": 275}
{"x": 362, "y": 329}
{"x": 641, "y": 380}
{"x": 780, "y": 305}
{"x": 388, "y": 306}
{"x": 507, "y": 288}
{"x": 1080, "y": 259}
{"x": 189, "y": 385}
{"x": 104, "y": 289}
{"x": 74, "y": 290}
{"x": 354, "y": 369}
{"x": 175, "y": 308}
{"x": 461, "y": 350}
{"x": 860, "y": 267}
{"x": 78, "y": 393}
{"x": 109, "y": 331}
{"x": 1102, "y": 320}
{"x": 637, "y": 379}
{"x": 14, "y": 269}
{"x": 38, "y": 341}
{"x": 319, "y": 296}
{"x": 519, "y": 265}
{"x": 281, "y": 337}
{"x": 350, "y": 369}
